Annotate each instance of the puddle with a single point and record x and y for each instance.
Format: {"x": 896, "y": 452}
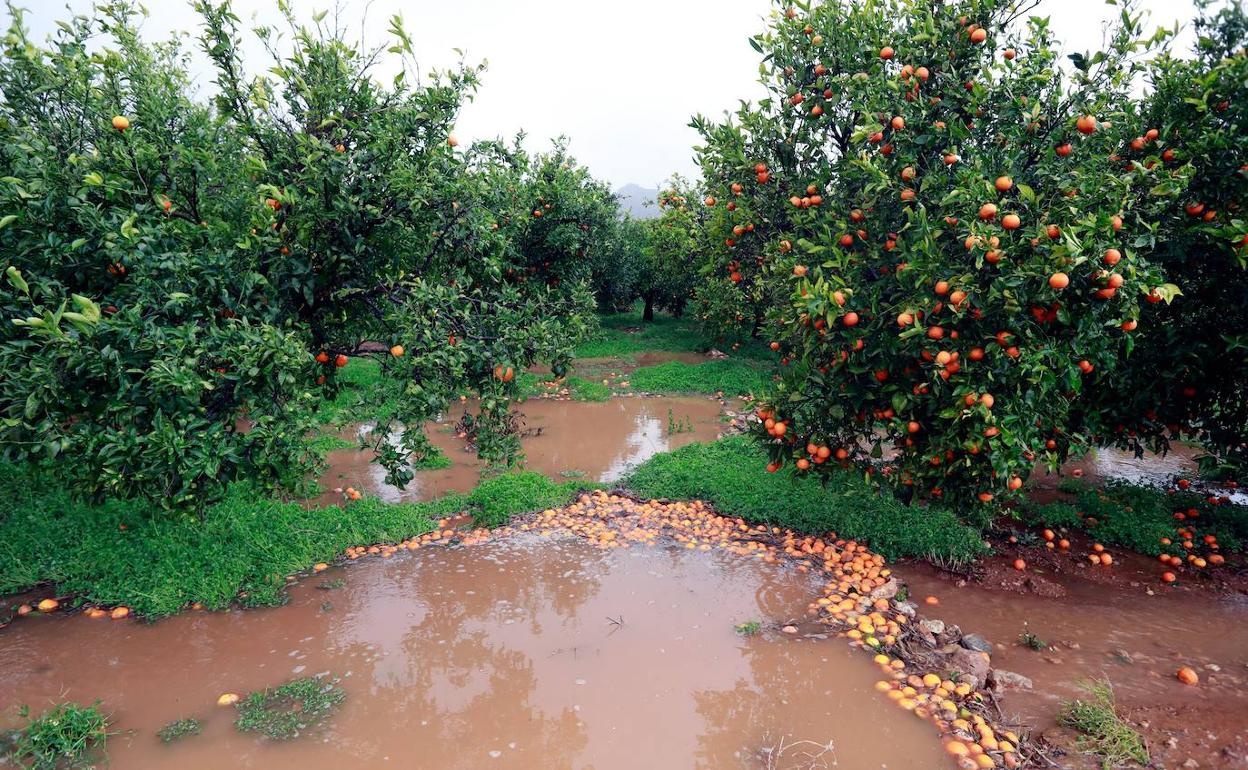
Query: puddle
{"x": 594, "y": 441}
{"x": 523, "y": 652}
{"x": 1150, "y": 469}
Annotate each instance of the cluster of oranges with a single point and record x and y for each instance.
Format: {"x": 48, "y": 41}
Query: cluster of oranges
{"x": 52, "y": 605}
{"x": 854, "y": 598}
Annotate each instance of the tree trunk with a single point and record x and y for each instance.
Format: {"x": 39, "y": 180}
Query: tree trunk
{"x": 648, "y": 313}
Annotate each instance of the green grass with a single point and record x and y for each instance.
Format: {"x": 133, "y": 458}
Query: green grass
{"x": 733, "y": 376}
{"x": 282, "y": 713}
{"x": 496, "y": 499}
{"x": 1138, "y": 517}
{"x": 730, "y": 474}
{"x": 748, "y": 628}
{"x": 664, "y": 333}
{"x": 240, "y": 549}
{"x": 579, "y": 389}
{"x": 64, "y": 736}
{"x": 359, "y": 397}
{"x": 179, "y": 729}
{"x": 1103, "y": 731}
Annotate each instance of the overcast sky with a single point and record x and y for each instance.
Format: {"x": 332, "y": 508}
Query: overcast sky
{"x": 621, "y": 78}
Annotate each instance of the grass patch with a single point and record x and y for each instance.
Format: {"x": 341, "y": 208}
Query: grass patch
{"x": 620, "y": 335}
{"x": 579, "y": 389}
{"x": 282, "y": 713}
{"x": 179, "y": 729}
{"x": 748, "y": 628}
{"x": 1103, "y": 731}
{"x": 1032, "y": 642}
{"x": 133, "y": 554}
{"x": 1138, "y": 517}
{"x": 328, "y": 442}
{"x": 64, "y": 736}
{"x": 733, "y": 376}
{"x": 359, "y": 393}
{"x": 730, "y": 474}
{"x": 498, "y": 498}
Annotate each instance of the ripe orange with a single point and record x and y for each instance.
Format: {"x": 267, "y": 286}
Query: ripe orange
{"x": 886, "y": 53}
{"x": 988, "y": 211}
{"x": 979, "y": 35}
{"x": 1059, "y": 281}
{"x": 1086, "y": 124}
{"x": 121, "y": 122}
{"x": 1187, "y": 675}
{"x": 340, "y": 360}
{"x": 1003, "y": 183}
{"x": 1020, "y": 565}
{"x": 397, "y": 351}
{"x": 1011, "y": 222}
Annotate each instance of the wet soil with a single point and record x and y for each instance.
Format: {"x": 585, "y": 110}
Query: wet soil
{"x": 594, "y": 441}
{"x": 531, "y": 651}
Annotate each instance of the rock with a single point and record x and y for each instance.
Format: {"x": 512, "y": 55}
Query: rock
{"x": 909, "y": 609}
{"x": 1191, "y": 763}
{"x": 886, "y": 591}
{"x": 976, "y": 642}
{"x": 972, "y": 664}
{"x": 932, "y": 626}
{"x": 1008, "y": 680}
{"x": 789, "y": 629}
{"x": 713, "y": 353}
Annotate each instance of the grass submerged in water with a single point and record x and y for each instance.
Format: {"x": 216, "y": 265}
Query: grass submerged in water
{"x": 1103, "y": 731}
{"x": 64, "y": 736}
{"x": 285, "y": 712}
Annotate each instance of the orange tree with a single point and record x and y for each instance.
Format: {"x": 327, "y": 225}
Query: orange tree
{"x": 960, "y": 255}
{"x": 1188, "y": 375}
{"x": 665, "y": 275}
{"x": 190, "y": 278}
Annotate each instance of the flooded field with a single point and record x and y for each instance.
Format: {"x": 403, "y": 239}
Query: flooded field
{"x": 594, "y": 441}
{"x": 525, "y": 652}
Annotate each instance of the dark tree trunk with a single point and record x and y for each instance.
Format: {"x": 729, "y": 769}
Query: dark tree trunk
{"x": 648, "y": 313}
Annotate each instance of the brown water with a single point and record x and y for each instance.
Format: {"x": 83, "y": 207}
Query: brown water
{"x": 595, "y": 441}
{"x": 524, "y": 652}
{"x": 1134, "y": 633}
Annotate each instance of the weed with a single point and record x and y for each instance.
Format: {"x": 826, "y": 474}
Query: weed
{"x": 1104, "y": 731}
{"x": 748, "y": 628}
{"x": 683, "y": 425}
{"x": 282, "y": 713}
{"x": 500, "y": 497}
{"x": 730, "y": 474}
{"x": 1032, "y": 642}
{"x": 62, "y": 737}
{"x": 176, "y": 731}
{"x": 331, "y": 585}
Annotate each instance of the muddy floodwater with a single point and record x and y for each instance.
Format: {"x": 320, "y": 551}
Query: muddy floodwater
{"x": 594, "y": 441}
{"x": 524, "y": 652}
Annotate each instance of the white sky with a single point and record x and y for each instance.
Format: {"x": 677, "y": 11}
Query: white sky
{"x": 621, "y": 78}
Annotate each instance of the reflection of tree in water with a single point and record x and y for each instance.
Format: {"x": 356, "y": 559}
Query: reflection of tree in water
{"x": 450, "y": 658}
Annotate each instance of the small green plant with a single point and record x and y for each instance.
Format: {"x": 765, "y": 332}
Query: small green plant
{"x": 1031, "y": 641}
{"x": 748, "y": 628}
{"x": 179, "y": 729}
{"x": 61, "y": 737}
{"x": 332, "y": 585}
{"x": 682, "y": 425}
{"x": 1104, "y": 731}
{"x": 282, "y": 713}
{"x": 903, "y": 594}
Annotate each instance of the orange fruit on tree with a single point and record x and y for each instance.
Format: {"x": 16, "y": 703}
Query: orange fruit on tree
{"x": 1059, "y": 281}
{"x": 397, "y": 351}
{"x": 1086, "y": 124}
{"x": 121, "y": 122}
{"x": 1003, "y": 183}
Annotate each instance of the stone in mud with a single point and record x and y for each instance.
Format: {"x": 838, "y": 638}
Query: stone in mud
{"x": 886, "y": 591}
{"x": 932, "y": 626}
{"x": 976, "y": 642}
{"x": 909, "y": 609}
{"x": 973, "y": 665}
{"x": 1008, "y": 680}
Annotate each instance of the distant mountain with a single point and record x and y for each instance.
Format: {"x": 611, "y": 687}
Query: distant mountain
{"x": 637, "y": 201}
